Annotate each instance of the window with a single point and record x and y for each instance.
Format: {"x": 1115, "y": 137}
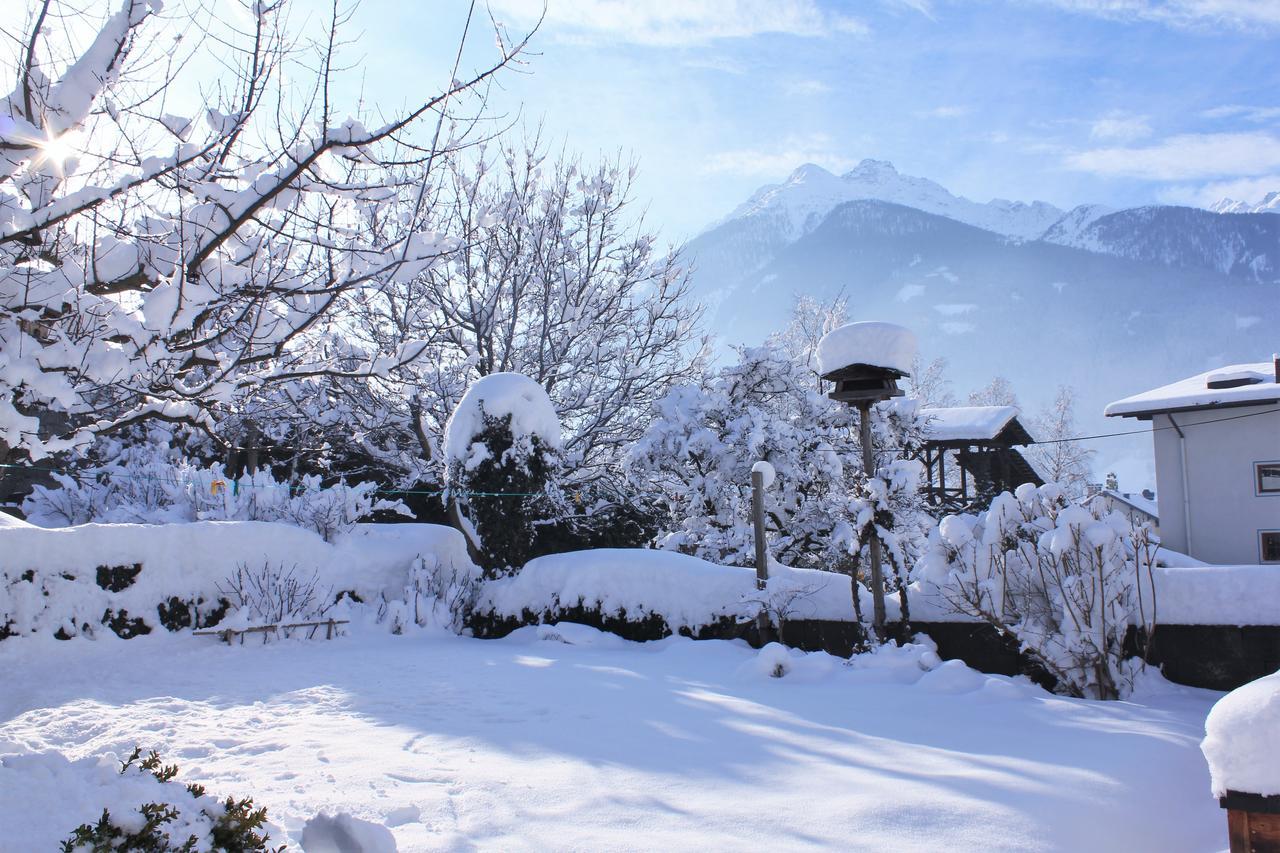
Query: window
{"x": 1267, "y": 477}
{"x": 1270, "y": 546}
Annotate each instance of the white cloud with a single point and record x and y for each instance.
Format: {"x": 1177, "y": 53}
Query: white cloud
{"x": 781, "y": 159}
{"x": 958, "y": 328}
{"x": 1188, "y": 157}
{"x": 715, "y": 63}
{"x": 665, "y": 23}
{"x": 951, "y": 310}
{"x": 1236, "y": 14}
{"x": 1119, "y": 127}
{"x": 1258, "y": 115}
{"x": 924, "y": 7}
{"x": 807, "y": 87}
{"x": 1248, "y": 190}
{"x": 944, "y": 112}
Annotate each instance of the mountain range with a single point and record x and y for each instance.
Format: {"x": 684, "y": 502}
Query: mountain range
{"x": 1110, "y": 302}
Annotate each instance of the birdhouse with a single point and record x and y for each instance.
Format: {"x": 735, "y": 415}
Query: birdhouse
{"x": 866, "y": 360}
{"x": 858, "y": 382}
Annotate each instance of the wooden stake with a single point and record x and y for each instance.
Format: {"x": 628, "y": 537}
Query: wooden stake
{"x": 757, "y": 516}
{"x": 869, "y": 468}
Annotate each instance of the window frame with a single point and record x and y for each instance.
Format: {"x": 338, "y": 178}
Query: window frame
{"x": 1257, "y": 479}
{"x": 1262, "y": 549}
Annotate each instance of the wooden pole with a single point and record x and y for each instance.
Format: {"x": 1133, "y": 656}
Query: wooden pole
{"x": 251, "y": 448}
{"x": 757, "y": 517}
{"x": 869, "y": 468}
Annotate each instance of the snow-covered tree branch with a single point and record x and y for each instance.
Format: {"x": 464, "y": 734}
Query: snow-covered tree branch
{"x": 168, "y": 265}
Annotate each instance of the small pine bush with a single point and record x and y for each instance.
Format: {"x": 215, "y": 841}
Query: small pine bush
{"x": 232, "y": 826}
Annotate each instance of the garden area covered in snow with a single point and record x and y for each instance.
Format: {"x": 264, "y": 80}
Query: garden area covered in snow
{"x": 408, "y": 736}
{"x": 375, "y": 486}
{"x": 561, "y": 737}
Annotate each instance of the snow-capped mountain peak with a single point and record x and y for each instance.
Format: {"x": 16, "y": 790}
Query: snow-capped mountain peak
{"x": 1269, "y": 204}
{"x": 800, "y": 203}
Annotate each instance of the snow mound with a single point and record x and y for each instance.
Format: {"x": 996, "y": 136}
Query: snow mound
{"x": 767, "y": 473}
{"x": 685, "y": 591}
{"x": 75, "y": 792}
{"x": 778, "y": 661}
{"x": 575, "y": 634}
{"x": 872, "y": 343}
{"x": 499, "y": 395}
{"x": 343, "y": 833}
{"x": 1242, "y": 733}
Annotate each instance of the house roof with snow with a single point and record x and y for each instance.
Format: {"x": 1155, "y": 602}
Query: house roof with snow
{"x": 1226, "y": 387}
{"x": 1141, "y": 503}
{"x": 965, "y": 425}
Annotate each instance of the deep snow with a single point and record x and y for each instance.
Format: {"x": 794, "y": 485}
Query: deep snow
{"x": 1241, "y": 735}
{"x": 565, "y": 738}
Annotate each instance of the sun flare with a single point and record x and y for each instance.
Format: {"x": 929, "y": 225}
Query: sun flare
{"x": 58, "y": 150}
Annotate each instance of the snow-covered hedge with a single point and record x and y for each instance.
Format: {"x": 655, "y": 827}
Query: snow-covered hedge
{"x": 65, "y": 579}
{"x": 684, "y": 591}
{"x": 1217, "y": 595}
{"x": 147, "y": 488}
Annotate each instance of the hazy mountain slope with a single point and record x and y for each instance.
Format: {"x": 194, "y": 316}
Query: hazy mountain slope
{"x": 1039, "y": 313}
{"x": 1246, "y": 245}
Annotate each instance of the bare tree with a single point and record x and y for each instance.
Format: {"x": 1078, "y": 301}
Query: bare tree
{"x": 555, "y": 277}
{"x": 811, "y": 319}
{"x": 929, "y": 384}
{"x": 156, "y": 265}
{"x": 999, "y": 392}
{"x": 1059, "y": 458}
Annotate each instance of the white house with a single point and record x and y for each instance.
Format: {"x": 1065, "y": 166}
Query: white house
{"x": 1217, "y": 449}
{"x": 1140, "y": 508}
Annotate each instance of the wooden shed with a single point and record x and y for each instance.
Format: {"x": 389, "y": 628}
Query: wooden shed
{"x": 971, "y": 453}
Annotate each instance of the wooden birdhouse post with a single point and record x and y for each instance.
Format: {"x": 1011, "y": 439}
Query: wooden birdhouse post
{"x": 865, "y": 361}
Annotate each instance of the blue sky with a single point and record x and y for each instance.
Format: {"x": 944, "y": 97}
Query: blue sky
{"x": 1122, "y": 102}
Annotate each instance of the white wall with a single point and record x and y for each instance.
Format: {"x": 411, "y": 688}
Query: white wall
{"x": 1225, "y": 510}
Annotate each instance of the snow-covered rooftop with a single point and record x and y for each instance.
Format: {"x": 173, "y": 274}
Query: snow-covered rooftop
{"x": 967, "y": 423}
{"x": 1195, "y": 393}
{"x": 1137, "y": 501}
{"x": 872, "y": 343}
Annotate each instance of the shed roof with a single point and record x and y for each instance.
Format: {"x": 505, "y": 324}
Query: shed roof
{"x": 974, "y": 424}
{"x": 1256, "y": 386}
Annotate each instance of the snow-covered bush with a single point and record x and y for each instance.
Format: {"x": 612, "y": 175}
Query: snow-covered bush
{"x": 704, "y": 440}
{"x": 148, "y": 487}
{"x": 273, "y": 595}
{"x": 503, "y": 449}
{"x": 697, "y": 454}
{"x": 1067, "y": 581}
{"x": 438, "y": 593}
{"x": 176, "y": 818}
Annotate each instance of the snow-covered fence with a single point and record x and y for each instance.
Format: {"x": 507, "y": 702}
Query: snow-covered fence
{"x": 134, "y": 578}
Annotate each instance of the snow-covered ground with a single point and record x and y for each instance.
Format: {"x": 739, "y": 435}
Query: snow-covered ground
{"x": 534, "y": 743}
